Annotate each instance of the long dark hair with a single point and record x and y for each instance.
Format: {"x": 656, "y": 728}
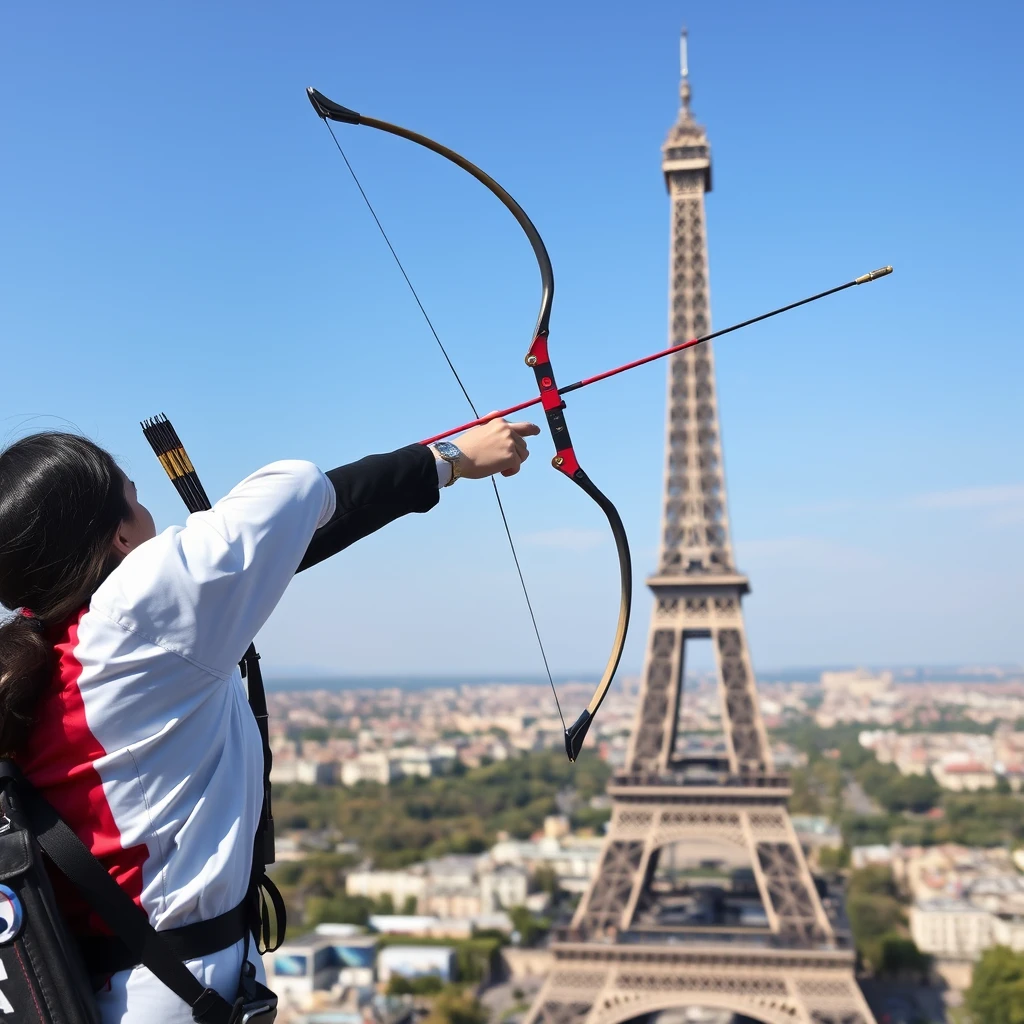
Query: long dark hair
{"x": 61, "y": 501}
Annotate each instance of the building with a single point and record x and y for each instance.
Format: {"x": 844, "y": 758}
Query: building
{"x": 421, "y": 763}
{"x": 429, "y": 927}
{"x": 375, "y": 1009}
{"x": 370, "y": 766}
{"x": 857, "y": 696}
{"x": 962, "y": 774}
{"x": 452, "y": 886}
{"x": 965, "y": 899}
{"x": 504, "y": 887}
{"x": 951, "y": 928}
{"x": 304, "y": 770}
{"x": 557, "y": 826}
{"x": 416, "y": 962}
{"x": 572, "y": 860}
{"x": 871, "y": 856}
{"x": 329, "y": 956}
{"x": 455, "y": 886}
{"x": 856, "y": 685}
{"x": 816, "y": 832}
{"x": 1008, "y": 931}
{"x": 401, "y": 886}
{"x": 451, "y": 899}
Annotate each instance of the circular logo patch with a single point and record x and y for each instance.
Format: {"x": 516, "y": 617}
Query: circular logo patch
{"x": 12, "y": 916}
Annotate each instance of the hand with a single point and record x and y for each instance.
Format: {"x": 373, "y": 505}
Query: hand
{"x": 494, "y": 447}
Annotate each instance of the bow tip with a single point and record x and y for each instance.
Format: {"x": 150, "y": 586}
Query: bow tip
{"x": 576, "y": 734}
{"x": 328, "y": 109}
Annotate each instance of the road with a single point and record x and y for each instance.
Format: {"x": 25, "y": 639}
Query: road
{"x": 502, "y": 1000}
{"x": 857, "y": 801}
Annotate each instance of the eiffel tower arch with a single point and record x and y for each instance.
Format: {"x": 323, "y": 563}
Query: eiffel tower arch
{"x": 640, "y": 942}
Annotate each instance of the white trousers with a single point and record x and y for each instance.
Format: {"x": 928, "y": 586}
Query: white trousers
{"x": 137, "y": 997}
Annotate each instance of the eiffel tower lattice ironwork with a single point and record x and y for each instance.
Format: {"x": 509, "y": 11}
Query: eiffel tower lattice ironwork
{"x": 637, "y": 947}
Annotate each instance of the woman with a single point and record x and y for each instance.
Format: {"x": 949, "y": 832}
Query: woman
{"x": 120, "y": 695}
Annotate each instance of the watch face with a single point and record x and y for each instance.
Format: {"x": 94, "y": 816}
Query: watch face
{"x": 452, "y": 455}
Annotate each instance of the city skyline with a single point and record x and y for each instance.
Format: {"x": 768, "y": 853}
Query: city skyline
{"x": 875, "y": 499}
{"x": 923, "y": 674}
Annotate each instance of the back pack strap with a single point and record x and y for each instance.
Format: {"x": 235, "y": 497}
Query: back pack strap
{"x": 108, "y": 954}
{"x": 74, "y": 860}
{"x": 250, "y": 669}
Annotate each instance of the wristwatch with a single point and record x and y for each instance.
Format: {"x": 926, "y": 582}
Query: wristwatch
{"x": 452, "y": 454}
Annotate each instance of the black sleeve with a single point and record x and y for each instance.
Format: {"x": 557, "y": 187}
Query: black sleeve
{"x": 370, "y": 494}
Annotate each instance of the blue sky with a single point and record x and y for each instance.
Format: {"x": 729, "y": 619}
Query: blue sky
{"x": 179, "y": 234}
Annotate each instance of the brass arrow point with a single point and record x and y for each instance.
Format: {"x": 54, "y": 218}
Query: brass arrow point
{"x": 874, "y": 275}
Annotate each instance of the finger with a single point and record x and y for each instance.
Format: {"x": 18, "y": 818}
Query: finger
{"x": 520, "y": 445}
{"x": 525, "y": 429}
{"x": 511, "y": 471}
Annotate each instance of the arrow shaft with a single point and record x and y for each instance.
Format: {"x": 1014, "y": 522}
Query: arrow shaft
{"x": 671, "y": 350}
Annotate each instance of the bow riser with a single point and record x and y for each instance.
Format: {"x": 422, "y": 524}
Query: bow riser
{"x": 565, "y": 460}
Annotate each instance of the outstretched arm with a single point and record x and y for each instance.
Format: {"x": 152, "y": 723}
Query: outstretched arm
{"x": 377, "y": 490}
{"x": 373, "y": 492}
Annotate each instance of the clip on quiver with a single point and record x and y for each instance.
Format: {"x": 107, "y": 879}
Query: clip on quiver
{"x": 43, "y": 975}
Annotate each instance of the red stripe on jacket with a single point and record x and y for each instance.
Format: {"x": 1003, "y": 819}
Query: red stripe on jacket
{"x": 59, "y": 760}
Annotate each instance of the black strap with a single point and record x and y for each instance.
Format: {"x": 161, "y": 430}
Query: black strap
{"x": 250, "y": 668}
{"x": 73, "y": 859}
{"x": 265, "y": 891}
{"x": 108, "y": 954}
{"x": 267, "y": 895}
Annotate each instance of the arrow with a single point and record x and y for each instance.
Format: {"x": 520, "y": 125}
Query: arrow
{"x": 502, "y": 413}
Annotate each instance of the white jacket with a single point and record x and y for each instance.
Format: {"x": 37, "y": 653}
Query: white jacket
{"x": 146, "y": 744}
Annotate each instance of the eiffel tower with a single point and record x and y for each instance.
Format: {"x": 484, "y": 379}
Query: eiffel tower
{"x": 645, "y": 939}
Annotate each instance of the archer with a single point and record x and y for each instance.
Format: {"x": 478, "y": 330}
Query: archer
{"x": 121, "y": 698}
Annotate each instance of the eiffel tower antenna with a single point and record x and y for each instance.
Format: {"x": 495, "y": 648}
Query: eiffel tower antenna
{"x": 684, "y": 73}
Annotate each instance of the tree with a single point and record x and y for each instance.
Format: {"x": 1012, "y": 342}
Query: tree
{"x": 804, "y": 798}
{"x": 453, "y": 1006}
{"x": 852, "y": 755}
{"x": 545, "y": 879}
{"x": 594, "y": 818}
{"x": 896, "y": 792}
{"x": 875, "y": 913}
{"x": 875, "y": 880}
{"x": 424, "y": 985}
{"x": 864, "y": 830}
{"x": 996, "y": 994}
{"x": 338, "y": 910}
{"x": 900, "y": 958}
{"x": 981, "y": 819}
{"x": 530, "y": 928}
{"x": 832, "y": 858}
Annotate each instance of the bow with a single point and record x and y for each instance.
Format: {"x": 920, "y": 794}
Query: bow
{"x": 539, "y": 359}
